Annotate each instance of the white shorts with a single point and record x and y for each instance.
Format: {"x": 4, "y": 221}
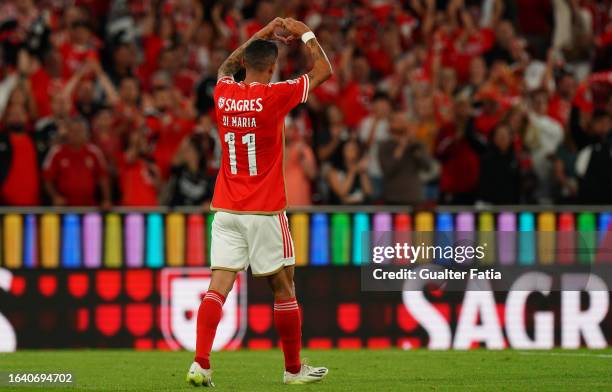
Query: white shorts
{"x": 260, "y": 241}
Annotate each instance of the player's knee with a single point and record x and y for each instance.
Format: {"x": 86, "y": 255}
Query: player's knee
{"x": 282, "y": 285}
{"x": 222, "y": 281}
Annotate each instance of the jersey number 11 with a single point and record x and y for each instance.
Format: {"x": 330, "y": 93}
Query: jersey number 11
{"x": 249, "y": 140}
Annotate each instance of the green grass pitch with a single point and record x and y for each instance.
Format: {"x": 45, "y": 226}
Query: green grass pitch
{"x": 381, "y": 370}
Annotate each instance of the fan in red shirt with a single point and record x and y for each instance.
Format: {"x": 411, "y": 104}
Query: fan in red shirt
{"x": 74, "y": 170}
{"x": 19, "y": 175}
{"x": 354, "y": 100}
{"x": 166, "y": 129}
{"x": 263, "y": 14}
{"x": 138, "y": 176}
{"x": 251, "y": 227}
{"x": 80, "y": 48}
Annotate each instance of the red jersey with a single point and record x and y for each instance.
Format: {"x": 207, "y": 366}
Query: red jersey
{"x": 168, "y": 131}
{"x": 74, "y": 57}
{"x": 137, "y": 184}
{"x": 251, "y": 120}
{"x": 354, "y": 102}
{"x": 21, "y": 186}
{"x": 75, "y": 172}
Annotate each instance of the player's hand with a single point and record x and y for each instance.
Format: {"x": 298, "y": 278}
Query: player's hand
{"x": 295, "y": 27}
{"x": 268, "y": 31}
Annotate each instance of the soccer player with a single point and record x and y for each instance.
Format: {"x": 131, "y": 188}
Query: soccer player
{"x": 250, "y": 226}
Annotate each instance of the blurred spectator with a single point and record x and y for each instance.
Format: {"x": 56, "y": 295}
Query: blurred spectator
{"x": 129, "y": 93}
{"x": 106, "y": 136}
{"x": 594, "y": 162}
{"x": 357, "y": 92}
{"x": 300, "y": 168}
{"x": 23, "y": 26}
{"x": 490, "y": 114}
{"x": 517, "y": 121}
{"x": 424, "y": 122}
{"x": 50, "y": 130}
{"x": 457, "y": 148}
{"x": 139, "y": 178}
{"x": 81, "y": 88}
{"x": 328, "y": 143}
{"x": 446, "y": 86}
{"x": 75, "y": 171}
{"x": 129, "y": 98}
{"x": 573, "y": 34}
{"x": 264, "y": 13}
{"x": 373, "y": 131}
{"x": 170, "y": 63}
{"x": 206, "y": 85}
{"x": 535, "y": 21}
{"x": 477, "y": 77}
{"x": 543, "y": 137}
{"x": 128, "y": 116}
{"x": 189, "y": 184}
{"x": 167, "y": 129}
{"x": 560, "y": 103}
{"x": 505, "y": 38}
{"x": 499, "y": 170}
{"x": 19, "y": 174}
{"x": 79, "y": 46}
{"x": 566, "y": 182}
{"x": 123, "y": 62}
{"x": 208, "y": 128}
{"x": 405, "y": 161}
{"x": 332, "y": 136}
{"x": 350, "y": 183}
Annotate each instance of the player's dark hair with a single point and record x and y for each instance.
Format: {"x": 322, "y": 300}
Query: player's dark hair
{"x": 260, "y": 54}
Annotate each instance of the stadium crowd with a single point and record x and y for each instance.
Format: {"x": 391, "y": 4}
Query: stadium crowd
{"x": 109, "y": 102}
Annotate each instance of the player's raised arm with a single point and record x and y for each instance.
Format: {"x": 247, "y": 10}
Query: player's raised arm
{"x": 321, "y": 69}
{"x": 233, "y": 63}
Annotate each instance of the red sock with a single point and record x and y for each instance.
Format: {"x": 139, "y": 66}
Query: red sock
{"x": 209, "y": 315}
{"x": 289, "y": 327}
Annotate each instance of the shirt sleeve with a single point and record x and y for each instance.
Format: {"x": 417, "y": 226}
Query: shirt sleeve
{"x": 290, "y": 93}
{"x": 225, "y": 79}
{"x": 222, "y": 84}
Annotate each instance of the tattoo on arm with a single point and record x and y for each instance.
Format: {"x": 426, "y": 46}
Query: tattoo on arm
{"x": 321, "y": 70}
{"x": 232, "y": 64}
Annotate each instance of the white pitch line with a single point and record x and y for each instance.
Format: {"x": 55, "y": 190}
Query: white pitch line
{"x": 567, "y": 354}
